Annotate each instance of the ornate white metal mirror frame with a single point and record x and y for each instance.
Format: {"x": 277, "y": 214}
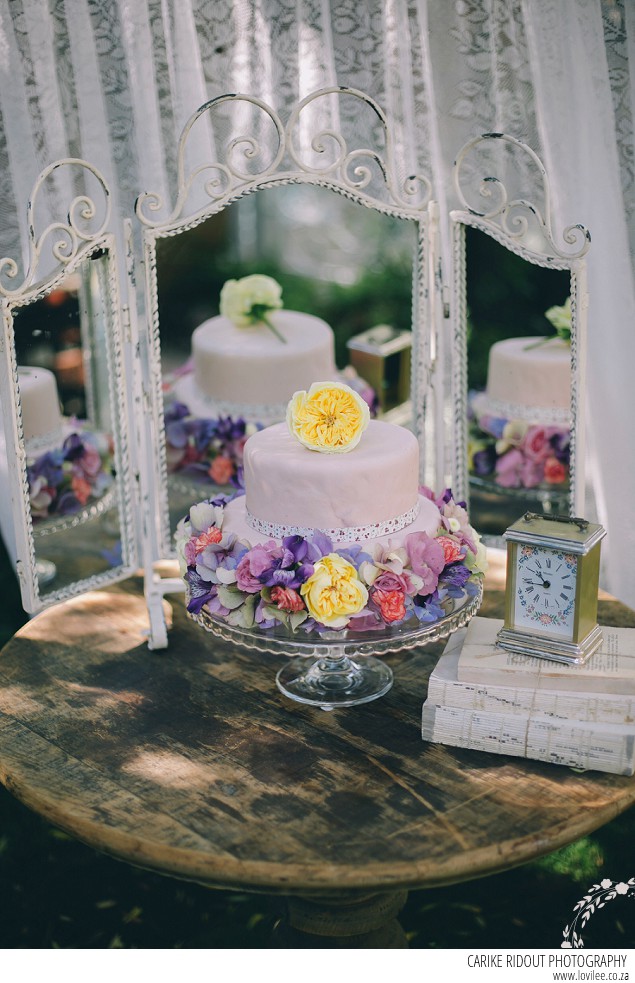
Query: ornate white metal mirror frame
{"x": 507, "y": 220}
{"x": 366, "y": 175}
{"x": 83, "y": 235}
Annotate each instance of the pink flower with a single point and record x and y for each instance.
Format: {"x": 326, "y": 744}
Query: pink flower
{"x": 427, "y": 559}
{"x": 390, "y": 603}
{"x": 555, "y": 471}
{"x": 89, "y": 464}
{"x": 509, "y": 468}
{"x": 81, "y": 489}
{"x": 451, "y": 549}
{"x": 257, "y": 561}
{"x": 536, "y": 444}
{"x": 287, "y": 599}
{"x": 213, "y": 535}
{"x": 221, "y": 470}
{"x": 532, "y": 473}
{"x": 389, "y": 581}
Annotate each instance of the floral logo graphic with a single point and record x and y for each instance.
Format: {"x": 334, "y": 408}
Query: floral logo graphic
{"x": 597, "y": 896}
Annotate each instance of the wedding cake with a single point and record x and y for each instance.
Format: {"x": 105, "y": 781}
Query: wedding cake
{"x": 530, "y": 379}
{"x": 42, "y": 421}
{"x": 248, "y": 361}
{"x": 520, "y": 426}
{"x": 333, "y": 529}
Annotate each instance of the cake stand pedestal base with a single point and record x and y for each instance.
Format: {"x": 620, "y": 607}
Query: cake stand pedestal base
{"x": 334, "y": 680}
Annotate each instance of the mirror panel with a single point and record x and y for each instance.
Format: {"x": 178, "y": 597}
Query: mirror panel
{"x": 345, "y": 264}
{"x": 519, "y": 386}
{"x": 269, "y": 188}
{"x": 66, "y": 518}
{"x": 519, "y": 340}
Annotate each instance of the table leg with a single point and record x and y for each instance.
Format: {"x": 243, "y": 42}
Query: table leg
{"x": 343, "y": 921}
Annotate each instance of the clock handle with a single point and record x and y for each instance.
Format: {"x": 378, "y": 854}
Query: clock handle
{"x": 582, "y": 524}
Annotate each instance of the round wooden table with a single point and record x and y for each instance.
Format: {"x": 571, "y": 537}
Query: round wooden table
{"x": 190, "y": 762}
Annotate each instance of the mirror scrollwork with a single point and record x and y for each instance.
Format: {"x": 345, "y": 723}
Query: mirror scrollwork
{"x": 518, "y": 360}
{"x": 65, "y": 459}
{"x": 259, "y": 173}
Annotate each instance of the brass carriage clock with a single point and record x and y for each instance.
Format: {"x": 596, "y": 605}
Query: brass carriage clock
{"x": 553, "y": 568}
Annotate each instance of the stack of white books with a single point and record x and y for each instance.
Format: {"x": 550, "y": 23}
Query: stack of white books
{"x": 480, "y": 696}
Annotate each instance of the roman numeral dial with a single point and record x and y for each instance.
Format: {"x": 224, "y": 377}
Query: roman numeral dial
{"x": 545, "y": 590}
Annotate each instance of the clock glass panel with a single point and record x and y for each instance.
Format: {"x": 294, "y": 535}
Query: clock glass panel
{"x": 545, "y": 590}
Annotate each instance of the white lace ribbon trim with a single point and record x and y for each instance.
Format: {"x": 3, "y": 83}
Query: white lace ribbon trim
{"x": 554, "y": 415}
{"x": 45, "y": 442}
{"x": 341, "y": 534}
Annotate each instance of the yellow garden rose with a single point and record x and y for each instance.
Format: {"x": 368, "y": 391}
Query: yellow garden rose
{"x": 329, "y": 418}
{"x": 333, "y": 592}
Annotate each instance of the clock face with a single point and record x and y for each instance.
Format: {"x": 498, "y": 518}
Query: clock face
{"x": 545, "y": 590}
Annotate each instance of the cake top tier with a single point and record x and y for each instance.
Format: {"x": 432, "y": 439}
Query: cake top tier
{"x": 530, "y": 372}
{"x": 40, "y": 404}
{"x": 252, "y": 366}
{"x": 289, "y": 486}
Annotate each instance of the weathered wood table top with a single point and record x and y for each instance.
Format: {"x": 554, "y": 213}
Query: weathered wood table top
{"x": 190, "y": 762}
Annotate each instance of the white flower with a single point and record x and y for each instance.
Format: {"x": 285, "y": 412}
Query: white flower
{"x": 245, "y": 301}
{"x": 621, "y": 888}
{"x": 477, "y": 563}
{"x": 181, "y": 537}
{"x": 605, "y": 883}
{"x": 204, "y": 515}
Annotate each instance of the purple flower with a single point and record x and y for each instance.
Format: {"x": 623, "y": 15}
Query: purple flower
{"x": 493, "y": 425}
{"x": 509, "y": 469}
{"x": 49, "y": 467}
{"x": 427, "y": 559}
{"x": 560, "y": 444}
{"x": 483, "y": 461}
{"x": 176, "y": 411}
{"x": 428, "y": 608}
{"x": 201, "y": 591}
{"x": 454, "y": 578}
{"x": 217, "y": 563}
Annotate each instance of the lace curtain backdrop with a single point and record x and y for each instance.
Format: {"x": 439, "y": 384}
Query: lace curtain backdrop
{"x": 114, "y": 81}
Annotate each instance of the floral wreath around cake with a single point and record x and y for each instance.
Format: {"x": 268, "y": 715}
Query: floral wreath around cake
{"x": 69, "y": 478}
{"x": 317, "y": 584}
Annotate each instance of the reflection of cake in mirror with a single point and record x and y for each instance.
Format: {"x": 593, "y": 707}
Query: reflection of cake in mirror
{"x": 248, "y": 365}
{"x": 530, "y": 378}
{"x": 69, "y": 468}
{"x": 520, "y": 424}
{"x": 41, "y": 411}
{"x": 332, "y": 527}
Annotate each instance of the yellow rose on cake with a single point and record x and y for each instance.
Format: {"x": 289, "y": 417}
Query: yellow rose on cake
{"x": 334, "y": 592}
{"x": 330, "y": 418}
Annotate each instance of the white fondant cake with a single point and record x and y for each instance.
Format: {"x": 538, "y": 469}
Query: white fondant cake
{"x": 249, "y": 372}
{"x": 40, "y": 404}
{"x": 523, "y": 376}
{"x": 368, "y": 495}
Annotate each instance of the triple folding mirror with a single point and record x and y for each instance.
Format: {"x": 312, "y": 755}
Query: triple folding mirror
{"x": 354, "y": 244}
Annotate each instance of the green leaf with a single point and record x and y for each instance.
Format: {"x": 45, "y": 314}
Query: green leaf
{"x": 230, "y": 597}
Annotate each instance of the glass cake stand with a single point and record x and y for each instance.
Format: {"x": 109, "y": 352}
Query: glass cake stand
{"x": 46, "y": 570}
{"x": 494, "y": 507}
{"x": 332, "y": 669}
